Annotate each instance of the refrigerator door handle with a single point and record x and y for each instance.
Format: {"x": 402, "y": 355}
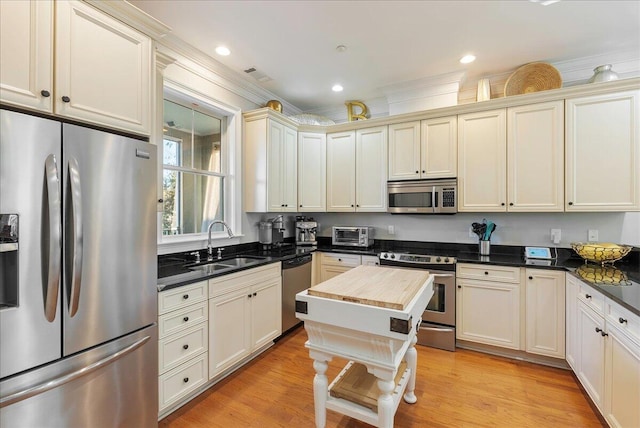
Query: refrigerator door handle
{"x": 54, "y": 383}
{"x": 76, "y": 239}
{"x": 55, "y": 237}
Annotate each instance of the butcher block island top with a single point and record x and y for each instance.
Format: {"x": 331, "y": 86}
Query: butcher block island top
{"x": 375, "y": 286}
{"x": 370, "y": 316}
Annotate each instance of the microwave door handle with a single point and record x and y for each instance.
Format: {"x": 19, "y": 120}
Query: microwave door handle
{"x": 434, "y": 200}
{"x": 76, "y": 267}
{"x": 55, "y": 237}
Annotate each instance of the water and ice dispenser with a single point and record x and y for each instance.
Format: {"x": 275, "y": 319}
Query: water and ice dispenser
{"x": 8, "y": 260}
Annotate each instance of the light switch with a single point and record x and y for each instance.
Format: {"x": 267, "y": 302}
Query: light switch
{"x": 391, "y": 229}
{"x": 556, "y": 235}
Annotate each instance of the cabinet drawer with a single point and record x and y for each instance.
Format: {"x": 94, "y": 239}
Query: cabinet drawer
{"x": 592, "y": 298}
{"x": 487, "y": 272}
{"x": 178, "y": 348}
{"x": 623, "y": 319}
{"x": 182, "y": 319}
{"x": 184, "y": 379}
{"x": 227, "y": 283}
{"x": 181, "y": 297}
{"x": 338, "y": 259}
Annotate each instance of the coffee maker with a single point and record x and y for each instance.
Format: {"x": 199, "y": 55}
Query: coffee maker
{"x": 271, "y": 233}
{"x": 306, "y": 231}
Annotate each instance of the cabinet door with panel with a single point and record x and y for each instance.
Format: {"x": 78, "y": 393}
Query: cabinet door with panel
{"x": 591, "y": 342}
{"x": 102, "y": 69}
{"x": 535, "y": 157}
{"x": 622, "y": 379}
{"x": 371, "y": 169}
{"x": 404, "y": 151}
{"x": 439, "y": 148}
{"x": 603, "y": 152}
{"x": 312, "y": 172}
{"x": 545, "y": 312}
{"x": 482, "y": 161}
{"x": 341, "y": 172}
{"x": 26, "y": 54}
{"x": 266, "y": 311}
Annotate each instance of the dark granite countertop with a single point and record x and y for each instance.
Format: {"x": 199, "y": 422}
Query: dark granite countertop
{"x": 173, "y": 273}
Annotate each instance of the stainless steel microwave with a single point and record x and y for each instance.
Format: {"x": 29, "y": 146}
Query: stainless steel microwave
{"x": 422, "y": 197}
{"x": 352, "y": 236}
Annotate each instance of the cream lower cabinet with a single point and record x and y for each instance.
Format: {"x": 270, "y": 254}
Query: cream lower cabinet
{"x": 333, "y": 264}
{"x": 370, "y": 261}
{"x": 488, "y": 305}
{"x": 357, "y": 170}
{"x": 605, "y": 351}
{"x": 182, "y": 343}
{"x": 603, "y": 152}
{"x": 245, "y": 311}
{"x": 85, "y": 65}
{"x": 312, "y": 172}
{"x": 545, "y": 312}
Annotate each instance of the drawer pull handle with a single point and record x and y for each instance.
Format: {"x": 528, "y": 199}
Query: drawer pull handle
{"x": 588, "y": 296}
{"x": 185, "y": 319}
{"x": 185, "y": 380}
{"x": 622, "y": 320}
{"x": 185, "y": 347}
{"x": 249, "y": 296}
{"x": 185, "y": 297}
{"x": 602, "y": 333}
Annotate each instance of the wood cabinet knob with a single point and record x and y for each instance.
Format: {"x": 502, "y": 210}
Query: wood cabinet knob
{"x": 185, "y": 346}
{"x": 570, "y": 203}
{"x": 502, "y": 204}
{"x": 417, "y": 172}
{"x": 510, "y": 204}
{"x": 45, "y": 93}
{"x": 530, "y": 277}
{"x": 66, "y": 99}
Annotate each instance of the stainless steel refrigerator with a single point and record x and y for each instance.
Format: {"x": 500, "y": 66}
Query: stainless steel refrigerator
{"x": 78, "y": 333}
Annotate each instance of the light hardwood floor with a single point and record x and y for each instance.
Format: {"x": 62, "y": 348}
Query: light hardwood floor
{"x": 454, "y": 389}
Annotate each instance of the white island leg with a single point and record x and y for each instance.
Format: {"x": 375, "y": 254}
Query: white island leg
{"x": 386, "y": 409}
{"x": 412, "y": 362}
{"x": 320, "y": 391}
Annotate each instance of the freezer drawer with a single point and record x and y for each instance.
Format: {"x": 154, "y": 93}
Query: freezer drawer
{"x": 113, "y": 385}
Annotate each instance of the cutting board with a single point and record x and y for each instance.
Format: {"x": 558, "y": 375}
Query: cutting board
{"x": 373, "y": 285}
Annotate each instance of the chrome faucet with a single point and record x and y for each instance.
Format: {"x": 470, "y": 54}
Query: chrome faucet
{"x": 209, "y": 247}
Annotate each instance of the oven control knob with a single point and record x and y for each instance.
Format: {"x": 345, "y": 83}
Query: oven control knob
{"x": 393, "y": 256}
{"x": 385, "y": 255}
{"x": 446, "y": 260}
{"x": 438, "y": 259}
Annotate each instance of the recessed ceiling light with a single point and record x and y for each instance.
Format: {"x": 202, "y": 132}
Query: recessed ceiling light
{"x": 222, "y": 50}
{"x": 467, "y": 59}
{"x": 337, "y": 88}
{"x": 341, "y": 48}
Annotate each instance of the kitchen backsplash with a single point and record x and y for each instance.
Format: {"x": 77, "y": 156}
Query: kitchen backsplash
{"x": 512, "y": 228}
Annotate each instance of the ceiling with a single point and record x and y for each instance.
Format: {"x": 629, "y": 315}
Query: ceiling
{"x": 392, "y": 42}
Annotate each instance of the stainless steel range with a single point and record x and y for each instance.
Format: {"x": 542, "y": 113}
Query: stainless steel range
{"x": 438, "y": 327}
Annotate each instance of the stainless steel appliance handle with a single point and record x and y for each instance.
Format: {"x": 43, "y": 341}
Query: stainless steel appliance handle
{"x": 55, "y": 237}
{"x": 76, "y": 206}
{"x": 55, "y": 383}
{"x": 437, "y": 329}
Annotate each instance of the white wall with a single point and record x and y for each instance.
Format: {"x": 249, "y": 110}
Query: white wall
{"x": 512, "y": 228}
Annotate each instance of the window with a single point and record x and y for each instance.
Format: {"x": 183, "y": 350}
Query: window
{"x": 193, "y": 178}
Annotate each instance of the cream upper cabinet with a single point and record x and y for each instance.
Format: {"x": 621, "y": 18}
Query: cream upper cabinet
{"x": 341, "y": 172}
{"x": 439, "y": 148}
{"x": 270, "y": 164}
{"x": 102, "y": 67}
{"x": 482, "y": 161}
{"x": 312, "y": 172}
{"x": 26, "y": 54}
{"x": 535, "y": 157}
{"x": 545, "y": 312}
{"x": 404, "y": 151}
{"x": 371, "y": 169}
{"x": 356, "y": 170}
{"x": 603, "y": 152}
{"x": 423, "y": 149}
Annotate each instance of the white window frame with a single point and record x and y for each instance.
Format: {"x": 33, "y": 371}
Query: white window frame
{"x": 230, "y": 163}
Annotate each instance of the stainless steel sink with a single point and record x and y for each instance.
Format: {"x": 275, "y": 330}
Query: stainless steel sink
{"x": 227, "y": 264}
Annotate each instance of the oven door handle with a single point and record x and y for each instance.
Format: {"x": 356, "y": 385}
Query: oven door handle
{"x": 437, "y": 329}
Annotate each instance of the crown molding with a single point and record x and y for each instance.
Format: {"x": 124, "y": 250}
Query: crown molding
{"x": 132, "y": 16}
{"x": 378, "y": 107}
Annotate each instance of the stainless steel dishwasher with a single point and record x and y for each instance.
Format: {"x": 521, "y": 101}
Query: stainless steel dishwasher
{"x": 296, "y": 277}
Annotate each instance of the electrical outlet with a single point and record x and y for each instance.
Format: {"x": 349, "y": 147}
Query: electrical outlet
{"x": 391, "y": 229}
{"x": 556, "y": 235}
{"x": 593, "y": 235}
